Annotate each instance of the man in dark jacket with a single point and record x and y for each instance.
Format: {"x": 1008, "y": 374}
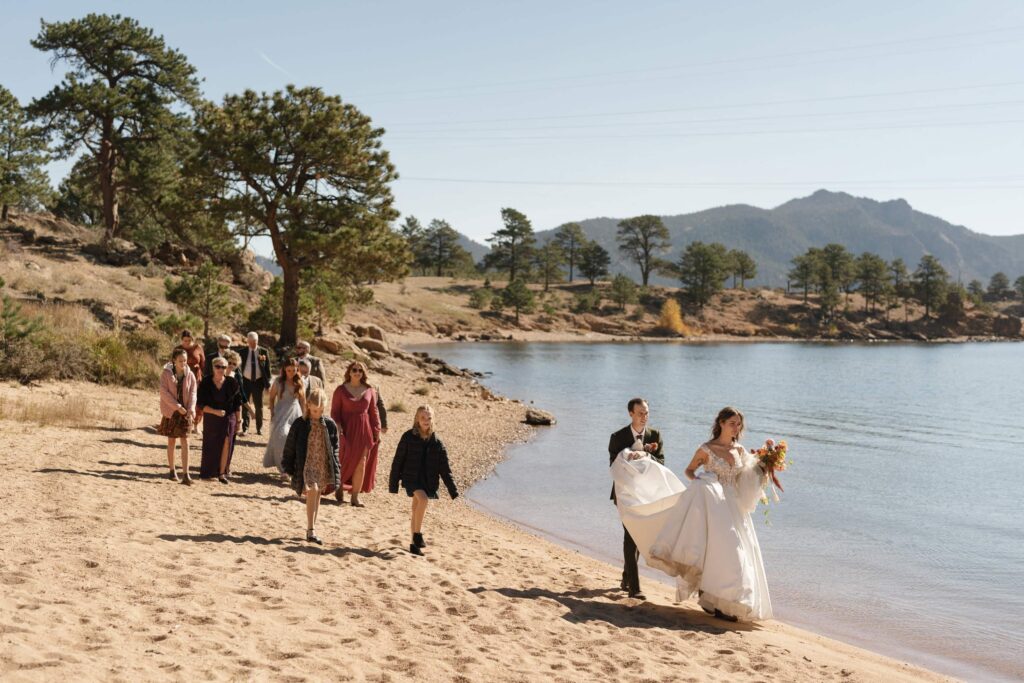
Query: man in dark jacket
{"x": 255, "y": 377}
{"x": 620, "y": 440}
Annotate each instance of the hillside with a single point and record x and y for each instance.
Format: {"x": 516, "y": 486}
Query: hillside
{"x": 892, "y": 229}
{"x": 45, "y": 261}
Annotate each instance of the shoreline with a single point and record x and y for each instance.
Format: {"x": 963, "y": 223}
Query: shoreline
{"x": 215, "y": 578}
{"x": 416, "y": 339}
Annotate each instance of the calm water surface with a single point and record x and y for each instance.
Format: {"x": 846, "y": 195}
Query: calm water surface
{"x": 900, "y": 529}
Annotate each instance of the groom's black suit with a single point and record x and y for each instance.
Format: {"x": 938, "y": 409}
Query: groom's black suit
{"x": 624, "y": 439}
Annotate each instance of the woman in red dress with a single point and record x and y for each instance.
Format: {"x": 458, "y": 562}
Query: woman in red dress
{"x": 354, "y": 409}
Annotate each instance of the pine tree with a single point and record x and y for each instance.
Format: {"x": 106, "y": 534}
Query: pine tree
{"x": 511, "y": 245}
{"x": 117, "y": 101}
{"x": 641, "y": 239}
{"x": 594, "y": 262}
{"x": 703, "y": 269}
{"x": 571, "y": 239}
{"x": 203, "y": 293}
{"x": 623, "y": 291}
{"x": 548, "y": 260}
{"x": 23, "y": 181}
{"x": 742, "y": 266}
{"x": 931, "y": 280}
{"x": 306, "y": 170}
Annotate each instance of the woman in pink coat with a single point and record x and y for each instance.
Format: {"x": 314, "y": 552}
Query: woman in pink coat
{"x": 177, "y": 409}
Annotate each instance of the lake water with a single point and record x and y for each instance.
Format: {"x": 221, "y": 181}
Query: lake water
{"x": 900, "y": 529}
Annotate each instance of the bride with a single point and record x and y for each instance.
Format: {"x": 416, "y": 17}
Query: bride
{"x": 701, "y": 533}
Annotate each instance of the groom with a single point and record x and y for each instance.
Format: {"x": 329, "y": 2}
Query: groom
{"x": 625, "y": 438}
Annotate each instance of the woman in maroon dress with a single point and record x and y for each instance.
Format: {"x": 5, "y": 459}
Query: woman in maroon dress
{"x": 354, "y": 409}
{"x": 220, "y": 398}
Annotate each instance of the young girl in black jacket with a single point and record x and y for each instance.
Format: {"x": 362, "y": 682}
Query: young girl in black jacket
{"x": 420, "y": 462}
{"x": 311, "y": 458}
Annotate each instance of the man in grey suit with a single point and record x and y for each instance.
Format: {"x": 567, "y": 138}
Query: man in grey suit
{"x": 312, "y": 381}
{"x": 316, "y": 367}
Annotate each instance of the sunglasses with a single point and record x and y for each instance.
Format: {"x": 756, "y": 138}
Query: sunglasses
{"x": 355, "y": 372}
{"x": 220, "y": 367}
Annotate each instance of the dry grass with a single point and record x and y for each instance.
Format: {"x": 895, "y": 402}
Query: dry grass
{"x": 421, "y": 391}
{"x": 72, "y": 411}
{"x": 397, "y": 407}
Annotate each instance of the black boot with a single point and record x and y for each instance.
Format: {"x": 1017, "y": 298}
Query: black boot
{"x": 414, "y": 549}
{"x": 417, "y": 540}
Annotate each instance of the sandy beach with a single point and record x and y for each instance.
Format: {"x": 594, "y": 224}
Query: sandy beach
{"x": 113, "y": 572}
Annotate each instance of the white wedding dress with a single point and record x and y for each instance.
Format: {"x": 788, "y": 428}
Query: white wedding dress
{"x": 700, "y": 532}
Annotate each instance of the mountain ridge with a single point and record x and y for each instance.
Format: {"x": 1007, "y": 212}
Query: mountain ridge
{"x": 892, "y": 229}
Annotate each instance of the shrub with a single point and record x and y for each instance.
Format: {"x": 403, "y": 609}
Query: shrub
{"x": 480, "y": 299}
{"x": 397, "y": 407}
{"x": 587, "y": 302}
{"x": 421, "y": 391}
{"x": 172, "y": 324}
{"x": 671, "y": 319}
{"x": 70, "y": 345}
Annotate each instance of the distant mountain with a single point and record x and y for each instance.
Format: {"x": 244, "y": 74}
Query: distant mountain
{"x": 269, "y": 264}
{"x": 891, "y": 229}
{"x": 476, "y": 250}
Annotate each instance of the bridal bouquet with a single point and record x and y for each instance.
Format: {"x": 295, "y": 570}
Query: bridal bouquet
{"x": 772, "y": 458}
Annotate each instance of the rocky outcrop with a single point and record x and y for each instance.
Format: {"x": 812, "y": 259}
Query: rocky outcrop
{"x": 117, "y": 252}
{"x": 370, "y": 344}
{"x": 246, "y": 272}
{"x": 1008, "y": 326}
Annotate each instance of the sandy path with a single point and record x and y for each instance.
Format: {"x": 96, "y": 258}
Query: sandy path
{"x": 109, "y": 571}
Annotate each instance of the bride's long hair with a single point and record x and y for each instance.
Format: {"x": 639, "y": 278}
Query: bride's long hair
{"x": 723, "y": 415}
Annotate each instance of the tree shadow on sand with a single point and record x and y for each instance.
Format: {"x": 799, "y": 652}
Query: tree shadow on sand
{"x": 117, "y": 475}
{"x": 293, "y": 546}
{"x": 250, "y": 496}
{"x": 221, "y": 538}
{"x": 584, "y": 607}
{"x": 139, "y": 444}
{"x": 341, "y": 551}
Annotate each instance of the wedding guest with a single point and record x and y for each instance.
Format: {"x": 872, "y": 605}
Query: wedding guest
{"x": 196, "y": 361}
{"x": 311, "y": 458}
{"x": 650, "y": 440}
{"x": 234, "y": 361}
{"x": 196, "y": 357}
{"x": 354, "y": 408}
{"x": 381, "y": 411}
{"x": 220, "y": 398}
{"x": 312, "y": 381}
{"x": 255, "y": 377}
{"x": 420, "y": 461}
{"x": 218, "y": 351}
{"x": 316, "y": 365}
{"x": 287, "y": 401}
{"x": 177, "y": 409}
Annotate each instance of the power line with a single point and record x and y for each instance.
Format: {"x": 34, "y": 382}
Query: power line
{"x": 707, "y": 107}
{"x": 729, "y": 119}
{"x": 716, "y": 62}
{"x": 697, "y": 134}
{"x": 927, "y": 184}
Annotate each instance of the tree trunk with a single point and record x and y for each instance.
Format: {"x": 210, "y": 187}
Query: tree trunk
{"x": 571, "y": 254}
{"x": 4, "y": 212}
{"x": 106, "y": 160}
{"x": 645, "y": 273}
{"x": 289, "y": 304}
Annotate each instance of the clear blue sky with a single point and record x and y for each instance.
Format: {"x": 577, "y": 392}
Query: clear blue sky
{"x": 573, "y": 110}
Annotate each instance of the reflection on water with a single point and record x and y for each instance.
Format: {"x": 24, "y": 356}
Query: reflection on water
{"x": 900, "y": 526}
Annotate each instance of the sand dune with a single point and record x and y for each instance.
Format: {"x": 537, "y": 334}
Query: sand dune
{"x": 109, "y": 571}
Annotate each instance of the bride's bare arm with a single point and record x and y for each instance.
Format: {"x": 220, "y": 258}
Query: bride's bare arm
{"x": 698, "y": 459}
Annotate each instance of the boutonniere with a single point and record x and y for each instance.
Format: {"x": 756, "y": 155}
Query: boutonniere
{"x": 263, "y": 357}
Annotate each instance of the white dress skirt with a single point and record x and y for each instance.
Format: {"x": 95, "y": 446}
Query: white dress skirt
{"x": 701, "y": 532}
